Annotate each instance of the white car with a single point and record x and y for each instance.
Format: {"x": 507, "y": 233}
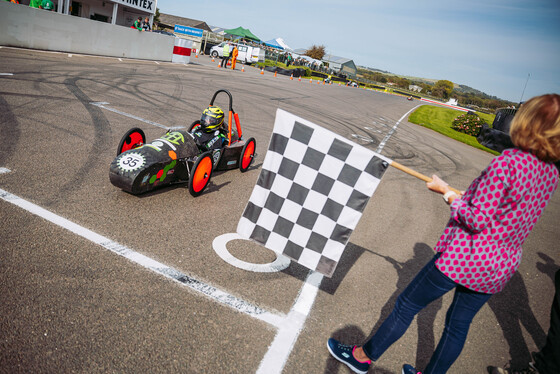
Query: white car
{"x": 247, "y": 54}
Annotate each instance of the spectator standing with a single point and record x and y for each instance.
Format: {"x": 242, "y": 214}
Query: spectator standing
{"x": 138, "y": 24}
{"x": 35, "y": 4}
{"x": 289, "y": 59}
{"x": 225, "y": 55}
{"x": 146, "y": 24}
{"x": 480, "y": 248}
{"x": 234, "y": 55}
{"x": 47, "y": 5}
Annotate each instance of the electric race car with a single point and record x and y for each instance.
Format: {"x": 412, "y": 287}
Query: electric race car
{"x": 176, "y": 157}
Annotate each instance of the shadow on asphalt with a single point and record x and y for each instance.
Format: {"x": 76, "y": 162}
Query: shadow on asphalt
{"x": 512, "y": 320}
{"x": 512, "y": 310}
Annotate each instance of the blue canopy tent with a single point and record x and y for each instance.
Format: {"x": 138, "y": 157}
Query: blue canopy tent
{"x": 274, "y": 44}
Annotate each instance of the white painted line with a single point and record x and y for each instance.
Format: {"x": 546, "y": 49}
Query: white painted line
{"x": 103, "y": 105}
{"x": 4, "y": 170}
{"x": 157, "y": 63}
{"x": 7, "y": 74}
{"x": 393, "y": 129}
{"x": 69, "y": 54}
{"x": 278, "y": 352}
{"x": 120, "y": 59}
{"x": 210, "y": 291}
{"x": 362, "y": 138}
{"x": 220, "y": 247}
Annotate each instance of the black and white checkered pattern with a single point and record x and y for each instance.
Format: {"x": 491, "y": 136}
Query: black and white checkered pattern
{"x": 310, "y": 195}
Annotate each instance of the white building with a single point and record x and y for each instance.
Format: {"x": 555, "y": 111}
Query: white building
{"x": 116, "y": 12}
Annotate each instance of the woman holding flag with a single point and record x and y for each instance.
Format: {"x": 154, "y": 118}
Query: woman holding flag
{"x": 480, "y": 248}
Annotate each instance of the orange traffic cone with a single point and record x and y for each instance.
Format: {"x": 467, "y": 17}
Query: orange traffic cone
{"x": 318, "y": 82}
{"x": 213, "y": 59}
{"x": 299, "y": 79}
{"x": 292, "y": 77}
{"x": 243, "y": 68}
{"x": 275, "y": 74}
{"x": 262, "y": 71}
{"x": 310, "y": 80}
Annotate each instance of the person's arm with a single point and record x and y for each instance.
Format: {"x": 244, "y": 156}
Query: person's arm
{"x": 484, "y": 198}
{"x": 438, "y": 185}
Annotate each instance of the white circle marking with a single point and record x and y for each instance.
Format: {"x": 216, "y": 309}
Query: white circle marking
{"x": 219, "y": 245}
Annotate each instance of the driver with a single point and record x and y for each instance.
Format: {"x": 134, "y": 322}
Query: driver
{"x": 211, "y": 134}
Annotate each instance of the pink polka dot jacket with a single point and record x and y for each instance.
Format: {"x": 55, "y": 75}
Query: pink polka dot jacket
{"x": 481, "y": 244}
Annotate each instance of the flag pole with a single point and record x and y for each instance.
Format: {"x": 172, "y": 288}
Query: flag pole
{"x": 417, "y": 174}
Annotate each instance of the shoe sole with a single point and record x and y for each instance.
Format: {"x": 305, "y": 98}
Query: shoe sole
{"x": 355, "y": 370}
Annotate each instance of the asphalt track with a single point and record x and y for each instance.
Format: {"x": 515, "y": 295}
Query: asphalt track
{"x": 137, "y": 286}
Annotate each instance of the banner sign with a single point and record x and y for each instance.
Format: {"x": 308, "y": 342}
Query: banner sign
{"x": 145, "y": 5}
{"x": 186, "y": 30}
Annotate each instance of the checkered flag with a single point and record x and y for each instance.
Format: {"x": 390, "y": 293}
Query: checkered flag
{"x": 311, "y": 192}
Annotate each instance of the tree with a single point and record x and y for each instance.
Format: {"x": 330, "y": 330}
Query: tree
{"x": 444, "y": 88}
{"x": 316, "y": 52}
{"x": 156, "y": 17}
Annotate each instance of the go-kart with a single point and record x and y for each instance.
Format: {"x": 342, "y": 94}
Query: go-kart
{"x": 176, "y": 158}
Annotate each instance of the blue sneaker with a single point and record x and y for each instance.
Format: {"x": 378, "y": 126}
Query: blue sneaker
{"x": 409, "y": 369}
{"x": 345, "y": 354}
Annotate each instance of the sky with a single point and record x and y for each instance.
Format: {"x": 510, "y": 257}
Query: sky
{"x": 508, "y": 49}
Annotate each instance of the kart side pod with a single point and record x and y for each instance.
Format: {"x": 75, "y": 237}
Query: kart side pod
{"x": 163, "y": 161}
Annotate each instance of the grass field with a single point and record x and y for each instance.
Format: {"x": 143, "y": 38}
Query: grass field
{"x": 440, "y": 119}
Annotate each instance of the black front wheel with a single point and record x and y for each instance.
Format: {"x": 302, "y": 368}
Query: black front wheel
{"x": 133, "y": 138}
{"x": 194, "y": 125}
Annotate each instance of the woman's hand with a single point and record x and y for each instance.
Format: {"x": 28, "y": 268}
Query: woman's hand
{"x": 438, "y": 185}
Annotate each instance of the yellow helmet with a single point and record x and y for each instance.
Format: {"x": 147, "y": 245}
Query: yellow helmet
{"x": 212, "y": 118}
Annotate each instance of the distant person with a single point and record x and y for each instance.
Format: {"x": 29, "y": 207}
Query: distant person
{"x": 138, "y": 24}
{"x": 146, "y": 24}
{"x": 289, "y": 60}
{"x": 234, "y": 55}
{"x": 47, "y": 5}
{"x": 225, "y": 55}
{"x": 480, "y": 248}
{"x": 13, "y": 1}
{"x": 35, "y": 4}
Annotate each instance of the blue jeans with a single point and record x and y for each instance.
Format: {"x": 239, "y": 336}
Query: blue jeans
{"x": 429, "y": 285}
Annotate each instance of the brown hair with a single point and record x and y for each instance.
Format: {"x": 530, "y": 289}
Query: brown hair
{"x": 536, "y": 127}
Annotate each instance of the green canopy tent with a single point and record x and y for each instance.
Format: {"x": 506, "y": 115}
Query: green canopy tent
{"x": 243, "y": 33}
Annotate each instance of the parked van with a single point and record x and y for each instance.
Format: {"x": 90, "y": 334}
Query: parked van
{"x": 247, "y": 54}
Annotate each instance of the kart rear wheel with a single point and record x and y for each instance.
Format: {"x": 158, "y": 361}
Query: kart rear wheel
{"x": 193, "y": 125}
{"x": 200, "y": 174}
{"x": 133, "y": 138}
{"x": 247, "y": 155}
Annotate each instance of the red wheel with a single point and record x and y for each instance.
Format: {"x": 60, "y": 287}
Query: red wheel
{"x": 133, "y": 138}
{"x": 247, "y": 155}
{"x": 200, "y": 174}
{"x": 194, "y": 125}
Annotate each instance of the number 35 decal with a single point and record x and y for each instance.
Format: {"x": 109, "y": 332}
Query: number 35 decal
{"x": 131, "y": 161}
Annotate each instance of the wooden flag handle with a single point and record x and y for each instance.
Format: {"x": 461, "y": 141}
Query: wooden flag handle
{"x": 418, "y": 175}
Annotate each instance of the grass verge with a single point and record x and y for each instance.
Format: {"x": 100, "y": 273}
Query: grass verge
{"x": 440, "y": 119}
